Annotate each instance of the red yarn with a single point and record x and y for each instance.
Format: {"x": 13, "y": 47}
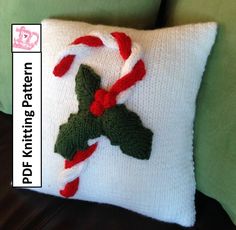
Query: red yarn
{"x": 124, "y": 43}
{"x": 80, "y": 156}
{"x": 63, "y": 66}
{"x": 88, "y": 40}
{"x": 136, "y": 74}
{"x": 102, "y": 100}
{"x": 96, "y": 109}
{"x": 72, "y": 187}
{"x": 105, "y": 100}
{"x": 109, "y": 100}
{"x": 99, "y": 95}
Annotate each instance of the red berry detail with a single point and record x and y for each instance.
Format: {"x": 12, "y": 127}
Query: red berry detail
{"x": 96, "y": 109}
{"x": 109, "y": 100}
{"x": 99, "y": 95}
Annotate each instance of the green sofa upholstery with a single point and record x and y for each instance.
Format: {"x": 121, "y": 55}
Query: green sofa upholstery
{"x": 215, "y": 125}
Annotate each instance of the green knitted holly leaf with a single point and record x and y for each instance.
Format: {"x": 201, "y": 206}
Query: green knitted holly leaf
{"x": 74, "y": 134}
{"x": 87, "y": 82}
{"x": 124, "y": 128}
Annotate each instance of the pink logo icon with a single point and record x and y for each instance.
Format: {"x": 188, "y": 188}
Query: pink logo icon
{"x": 26, "y": 39}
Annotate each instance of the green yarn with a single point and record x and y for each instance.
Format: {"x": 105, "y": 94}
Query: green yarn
{"x": 74, "y": 135}
{"x": 123, "y": 127}
{"x": 87, "y": 82}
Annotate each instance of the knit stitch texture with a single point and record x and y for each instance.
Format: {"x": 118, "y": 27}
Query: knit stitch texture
{"x": 162, "y": 187}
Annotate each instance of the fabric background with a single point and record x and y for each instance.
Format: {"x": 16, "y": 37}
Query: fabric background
{"x": 215, "y": 127}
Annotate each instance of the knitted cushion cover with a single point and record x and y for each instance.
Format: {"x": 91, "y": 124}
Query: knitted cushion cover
{"x": 159, "y": 181}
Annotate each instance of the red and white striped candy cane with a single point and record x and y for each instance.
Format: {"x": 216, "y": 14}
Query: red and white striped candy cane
{"x": 70, "y": 176}
{"x": 132, "y": 71}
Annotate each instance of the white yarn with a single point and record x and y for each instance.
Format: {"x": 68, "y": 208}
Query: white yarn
{"x": 70, "y": 174}
{"x": 135, "y": 56}
{"x": 107, "y": 39}
{"x": 78, "y": 50}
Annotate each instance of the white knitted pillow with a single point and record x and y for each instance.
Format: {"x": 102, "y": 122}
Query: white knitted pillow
{"x": 163, "y": 186}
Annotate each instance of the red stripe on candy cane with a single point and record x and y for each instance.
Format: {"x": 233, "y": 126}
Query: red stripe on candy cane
{"x": 63, "y": 66}
{"x": 88, "y": 40}
{"x": 72, "y": 186}
{"x": 124, "y": 43}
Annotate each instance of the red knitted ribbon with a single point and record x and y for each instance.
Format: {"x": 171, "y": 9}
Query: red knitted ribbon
{"x": 124, "y": 43}
{"x": 64, "y": 65}
{"x": 72, "y": 187}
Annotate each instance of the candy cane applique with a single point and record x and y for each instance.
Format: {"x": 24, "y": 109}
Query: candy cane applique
{"x": 101, "y": 111}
